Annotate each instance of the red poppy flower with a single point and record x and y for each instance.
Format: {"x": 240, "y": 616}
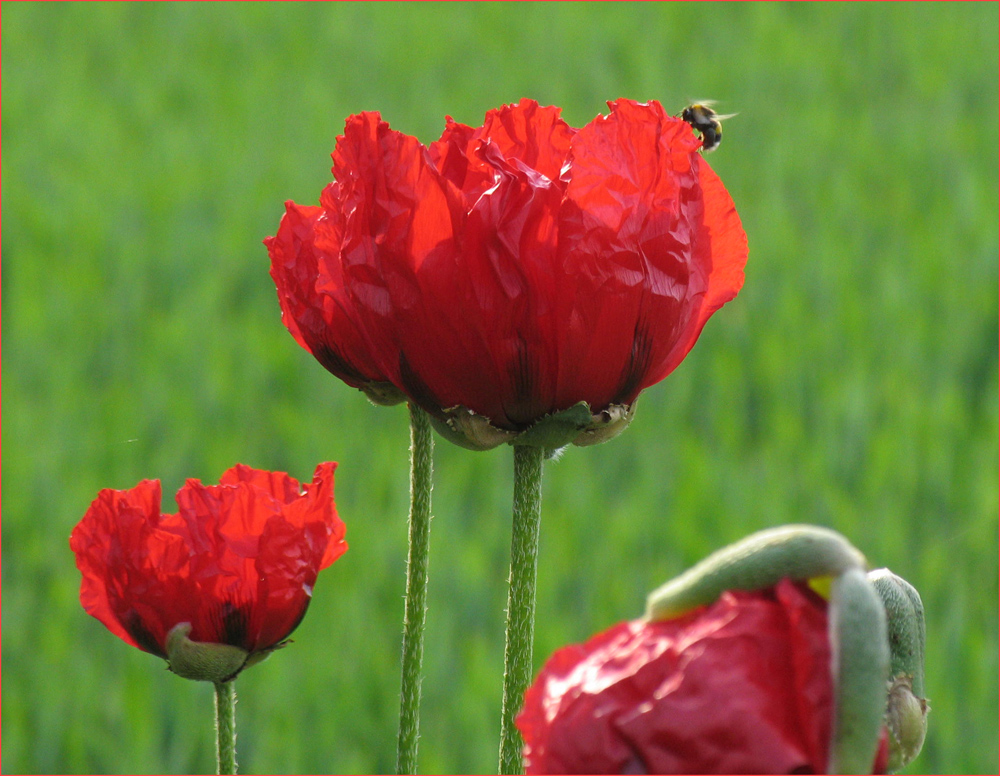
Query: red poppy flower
{"x": 238, "y": 561}
{"x": 514, "y": 269}
{"x": 741, "y": 686}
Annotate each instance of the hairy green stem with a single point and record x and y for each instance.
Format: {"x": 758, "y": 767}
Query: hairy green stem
{"x": 905, "y": 619}
{"x": 753, "y": 563}
{"x": 225, "y": 727}
{"x": 906, "y": 713}
{"x": 520, "y": 599}
{"x": 860, "y": 663}
{"x": 415, "y": 611}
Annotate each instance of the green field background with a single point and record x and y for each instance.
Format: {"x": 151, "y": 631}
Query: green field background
{"x": 149, "y": 148}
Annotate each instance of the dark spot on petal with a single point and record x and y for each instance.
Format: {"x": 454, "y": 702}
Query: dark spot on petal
{"x": 236, "y": 620}
{"x": 143, "y": 636}
{"x": 339, "y": 366}
{"x": 523, "y": 409}
{"x": 284, "y": 638}
{"x": 230, "y": 625}
{"x": 639, "y": 361}
{"x": 522, "y": 376}
{"x": 636, "y": 763}
{"x": 417, "y": 389}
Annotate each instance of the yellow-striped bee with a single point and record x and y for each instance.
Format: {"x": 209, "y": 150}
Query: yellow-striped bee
{"x": 706, "y": 121}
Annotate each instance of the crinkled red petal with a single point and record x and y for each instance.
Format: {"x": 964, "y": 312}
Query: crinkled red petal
{"x": 305, "y": 266}
{"x": 742, "y": 686}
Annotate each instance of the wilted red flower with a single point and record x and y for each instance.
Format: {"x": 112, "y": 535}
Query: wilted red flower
{"x": 514, "y": 269}
{"x": 238, "y": 561}
{"x": 741, "y": 686}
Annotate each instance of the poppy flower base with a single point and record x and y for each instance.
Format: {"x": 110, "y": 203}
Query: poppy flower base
{"x": 382, "y": 394}
{"x": 217, "y": 663}
{"x": 577, "y": 425}
{"x": 202, "y": 661}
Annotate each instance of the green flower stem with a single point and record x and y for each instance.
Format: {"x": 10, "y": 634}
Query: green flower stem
{"x": 520, "y": 599}
{"x": 225, "y": 726}
{"x": 415, "y": 611}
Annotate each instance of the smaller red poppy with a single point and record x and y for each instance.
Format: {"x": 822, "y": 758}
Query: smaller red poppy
{"x": 741, "y": 686}
{"x": 235, "y": 566}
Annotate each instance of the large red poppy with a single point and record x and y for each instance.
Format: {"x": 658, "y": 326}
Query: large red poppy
{"x": 741, "y": 686}
{"x": 238, "y": 561}
{"x": 514, "y": 269}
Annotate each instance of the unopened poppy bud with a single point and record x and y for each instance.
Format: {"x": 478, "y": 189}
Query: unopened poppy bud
{"x": 200, "y": 660}
{"x": 654, "y": 694}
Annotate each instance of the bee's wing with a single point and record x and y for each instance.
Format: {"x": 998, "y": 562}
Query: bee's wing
{"x": 724, "y": 116}
{"x": 706, "y": 103}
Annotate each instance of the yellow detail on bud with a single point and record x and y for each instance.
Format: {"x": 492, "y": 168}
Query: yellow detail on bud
{"x": 821, "y": 585}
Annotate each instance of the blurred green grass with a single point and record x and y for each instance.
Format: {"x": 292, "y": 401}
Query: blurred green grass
{"x": 853, "y": 383}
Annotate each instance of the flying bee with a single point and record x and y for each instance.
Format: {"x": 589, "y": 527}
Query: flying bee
{"x": 706, "y": 121}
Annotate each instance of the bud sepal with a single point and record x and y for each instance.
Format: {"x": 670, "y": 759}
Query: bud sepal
{"x": 576, "y": 425}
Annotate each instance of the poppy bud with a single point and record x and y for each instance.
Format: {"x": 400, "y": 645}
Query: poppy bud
{"x": 769, "y": 656}
{"x": 742, "y": 685}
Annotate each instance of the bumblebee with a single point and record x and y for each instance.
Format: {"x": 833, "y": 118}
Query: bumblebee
{"x": 702, "y": 118}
